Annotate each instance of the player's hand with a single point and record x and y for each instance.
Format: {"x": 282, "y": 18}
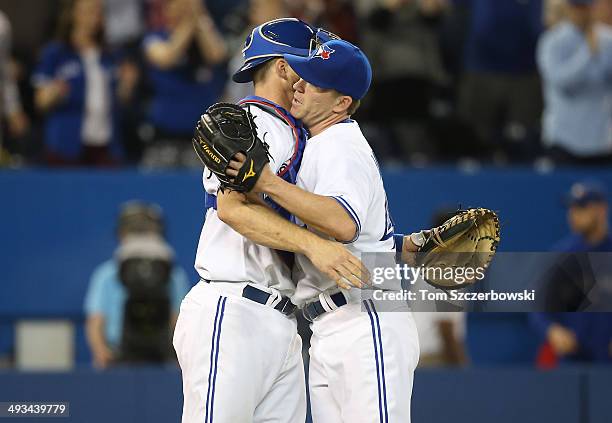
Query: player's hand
{"x": 562, "y": 340}
{"x": 235, "y": 164}
{"x": 238, "y": 161}
{"x": 409, "y": 249}
{"x": 336, "y": 262}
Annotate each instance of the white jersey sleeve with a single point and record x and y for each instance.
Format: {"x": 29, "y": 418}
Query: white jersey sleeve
{"x": 339, "y": 163}
{"x": 349, "y": 180}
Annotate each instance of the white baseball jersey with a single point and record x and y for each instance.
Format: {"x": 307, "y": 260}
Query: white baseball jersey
{"x": 241, "y": 361}
{"x": 362, "y": 360}
{"x": 339, "y": 163}
{"x": 225, "y": 255}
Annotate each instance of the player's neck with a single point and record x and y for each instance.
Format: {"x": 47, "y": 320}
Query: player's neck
{"x": 331, "y": 120}
{"x": 275, "y": 94}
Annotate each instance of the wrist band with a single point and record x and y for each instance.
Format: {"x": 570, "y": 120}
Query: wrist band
{"x": 418, "y": 238}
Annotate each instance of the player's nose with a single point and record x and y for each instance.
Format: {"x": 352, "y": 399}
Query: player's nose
{"x": 299, "y": 85}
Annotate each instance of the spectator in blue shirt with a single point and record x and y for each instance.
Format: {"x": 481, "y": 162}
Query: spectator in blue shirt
{"x": 76, "y": 84}
{"x": 187, "y": 73}
{"x": 573, "y": 333}
{"x": 140, "y": 227}
{"x": 575, "y": 60}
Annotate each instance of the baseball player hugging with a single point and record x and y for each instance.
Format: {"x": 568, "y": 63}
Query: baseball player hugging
{"x": 236, "y": 337}
{"x": 361, "y": 361}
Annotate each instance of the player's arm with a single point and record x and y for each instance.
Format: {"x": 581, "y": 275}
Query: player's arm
{"x": 323, "y": 213}
{"x": 263, "y": 226}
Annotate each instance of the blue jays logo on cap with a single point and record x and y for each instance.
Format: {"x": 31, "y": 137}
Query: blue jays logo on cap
{"x": 324, "y": 52}
{"x": 349, "y": 72}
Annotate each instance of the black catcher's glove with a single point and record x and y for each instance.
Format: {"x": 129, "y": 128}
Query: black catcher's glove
{"x": 223, "y": 131}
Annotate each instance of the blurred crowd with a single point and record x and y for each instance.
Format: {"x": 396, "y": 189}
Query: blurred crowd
{"x": 121, "y": 82}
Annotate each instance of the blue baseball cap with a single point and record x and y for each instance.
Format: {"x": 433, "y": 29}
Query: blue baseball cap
{"x": 273, "y": 39}
{"x": 585, "y": 192}
{"x": 336, "y": 64}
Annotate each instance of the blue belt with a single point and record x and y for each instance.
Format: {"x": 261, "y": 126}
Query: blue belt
{"x": 313, "y": 310}
{"x": 252, "y": 293}
{"x": 285, "y": 305}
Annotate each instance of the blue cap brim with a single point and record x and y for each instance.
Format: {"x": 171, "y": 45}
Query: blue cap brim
{"x": 245, "y": 72}
{"x": 305, "y": 70}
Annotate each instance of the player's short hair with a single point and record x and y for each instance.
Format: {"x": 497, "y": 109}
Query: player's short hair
{"x": 354, "y": 103}
{"x": 261, "y": 71}
{"x": 353, "y": 107}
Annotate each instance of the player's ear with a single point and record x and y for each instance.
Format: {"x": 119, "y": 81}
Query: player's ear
{"x": 282, "y": 68}
{"x": 343, "y": 103}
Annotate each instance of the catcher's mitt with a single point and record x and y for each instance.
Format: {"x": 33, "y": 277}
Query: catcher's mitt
{"x": 223, "y": 131}
{"x": 468, "y": 240}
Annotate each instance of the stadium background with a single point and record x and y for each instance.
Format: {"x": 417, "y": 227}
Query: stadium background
{"x": 57, "y": 222}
